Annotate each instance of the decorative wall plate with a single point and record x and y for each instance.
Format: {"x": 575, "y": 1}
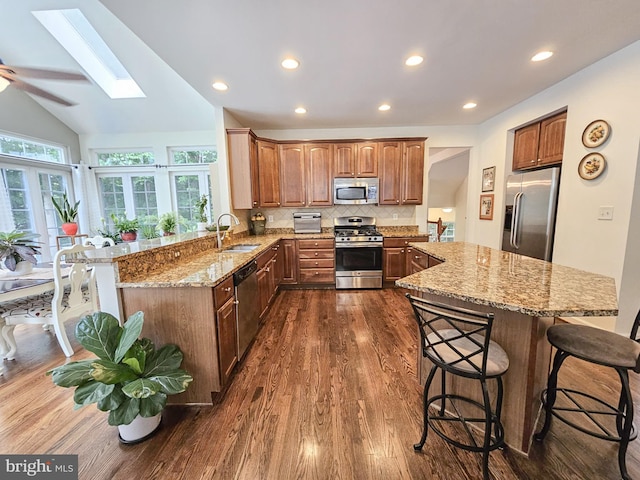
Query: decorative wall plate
{"x": 596, "y": 133}
{"x": 591, "y": 166}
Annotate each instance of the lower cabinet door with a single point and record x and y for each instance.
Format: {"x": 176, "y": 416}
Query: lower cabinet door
{"x": 227, "y": 339}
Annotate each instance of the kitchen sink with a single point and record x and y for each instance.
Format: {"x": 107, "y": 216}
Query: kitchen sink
{"x": 241, "y": 248}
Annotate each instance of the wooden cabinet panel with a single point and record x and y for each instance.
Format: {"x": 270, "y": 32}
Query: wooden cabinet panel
{"x": 393, "y": 263}
{"x": 316, "y": 261}
{"x": 293, "y": 180}
{"x": 223, "y": 292}
{"x": 390, "y": 171}
{"x": 367, "y": 159}
{"x": 227, "y": 339}
{"x": 319, "y": 164}
{"x": 539, "y": 144}
{"x": 412, "y": 173}
{"x": 269, "y": 174}
{"x": 243, "y": 168}
{"x": 433, "y": 261}
{"x": 417, "y": 261}
{"x": 289, "y": 253}
{"x": 344, "y": 155}
{"x": 525, "y": 147}
{"x": 262, "y": 276}
{"x": 552, "y": 139}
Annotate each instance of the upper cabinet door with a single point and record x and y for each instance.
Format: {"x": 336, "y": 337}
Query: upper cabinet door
{"x": 525, "y": 147}
{"x": 390, "y": 173}
{"x": 344, "y": 159}
{"x": 319, "y": 162}
{"x": 412, "y": 173}
{"x": 243, "y": 168}
{"x": 293, "y": 191}
{"x": 269, "y": 174}
{"x": 367, "y": 159}
{"x": 552, "y": 139}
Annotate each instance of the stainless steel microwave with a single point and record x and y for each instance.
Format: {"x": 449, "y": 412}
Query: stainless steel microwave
{"x": 355, "y": 191}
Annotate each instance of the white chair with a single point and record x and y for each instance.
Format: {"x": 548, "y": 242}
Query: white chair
{"x": 74, "y": 295}
{"x": 99, "y": 241}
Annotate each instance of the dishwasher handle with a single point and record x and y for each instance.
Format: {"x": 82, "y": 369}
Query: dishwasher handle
{"x": 244, "y": 272}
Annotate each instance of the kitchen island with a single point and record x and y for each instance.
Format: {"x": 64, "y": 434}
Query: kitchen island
{"x": 525, "y": 294}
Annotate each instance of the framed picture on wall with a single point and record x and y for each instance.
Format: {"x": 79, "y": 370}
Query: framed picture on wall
{"x": 488, "y": 179}
{"x": 486, "y": 207}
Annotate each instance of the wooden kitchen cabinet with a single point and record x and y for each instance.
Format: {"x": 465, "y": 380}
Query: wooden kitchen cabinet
{"x": 289, "y": 259}
{"x": 226, "y": 330}
{"x": 401, "y": 172}
{"x": 358, "y": 159}
{"x": 268, "y": 174}
{"x": 306, "y": 172}
{"x": 194, "y": 319}
{"x": 266, "y": 276}
{"x": 243, "y": 168}
{"x": 394, "y": 256}
{"x": 416, "y": 261}
{"x": 316, "y": 261}
{"x": 539, "y": 144}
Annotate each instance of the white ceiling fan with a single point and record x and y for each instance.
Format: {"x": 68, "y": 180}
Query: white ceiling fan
{"x": 11, "y": 76}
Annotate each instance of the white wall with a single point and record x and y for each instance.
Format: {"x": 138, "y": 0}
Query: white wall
{"x": 606, "y": 90}
{"x": 24, "y": 117}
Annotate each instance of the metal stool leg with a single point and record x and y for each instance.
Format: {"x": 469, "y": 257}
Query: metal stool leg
{"x": 425, "y": 410}
{"x": 627, "y": 423}
{"x": 487, "y": 430}
{"x": 550, "y": 399}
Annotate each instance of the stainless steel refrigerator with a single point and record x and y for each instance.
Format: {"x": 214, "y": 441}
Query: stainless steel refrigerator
{"x": 530, "y": 213}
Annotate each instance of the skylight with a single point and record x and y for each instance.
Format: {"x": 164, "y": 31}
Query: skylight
{"x": 78, "y": 37}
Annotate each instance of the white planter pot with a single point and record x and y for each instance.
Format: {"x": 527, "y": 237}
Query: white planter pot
{"x": 139, "y": 429}
{"x": 22, "y": 268}
{"x": 201, "y": 226}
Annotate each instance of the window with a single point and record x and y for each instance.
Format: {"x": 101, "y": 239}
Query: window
{"x": 125, "y": 159}
{"x": 128, "y": 195}
{"x": 447, "y": 236}
{"x": 19, "y": 147}
{"x": 188, "y": 190}
{"x": 187, "y": 156}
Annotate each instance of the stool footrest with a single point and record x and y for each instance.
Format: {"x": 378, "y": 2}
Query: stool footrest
{"x": 596, "y": 408}
{"x": 469, "y": 423}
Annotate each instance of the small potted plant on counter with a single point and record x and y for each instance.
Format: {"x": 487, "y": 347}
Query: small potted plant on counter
{"x": 201, "y": 216}
{"x": 168, "y": 223}
{"x": 130, "y": 379}
{"x": 68, "y": 214}
{"x": 128, "y": 229}
{"x": 18, "y": 251}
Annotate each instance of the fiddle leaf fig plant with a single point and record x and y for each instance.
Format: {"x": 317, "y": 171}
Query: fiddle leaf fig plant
{"x": 130, "y": 377}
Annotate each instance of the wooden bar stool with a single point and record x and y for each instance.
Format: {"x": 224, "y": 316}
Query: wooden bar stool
{"x": 458, "y": 341}
{"x": 583, "y": 411}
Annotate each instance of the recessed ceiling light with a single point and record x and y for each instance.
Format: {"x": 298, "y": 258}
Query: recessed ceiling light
{"x": 290, "y": 63}
{"x": 469, "y": 105}
{"x": 414, "y": 60}
{"x": 447, "y": 210}
{"x": 300, "y": 110}
{"x": 220, "y": 86}
{"x": 538, "y": 57}
{"x": 384, "y": 107}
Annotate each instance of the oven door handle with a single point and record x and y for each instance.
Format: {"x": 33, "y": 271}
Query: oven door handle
{"x": 358, "y": 245}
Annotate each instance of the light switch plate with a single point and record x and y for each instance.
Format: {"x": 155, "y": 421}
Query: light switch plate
{"x": 605, "y": 213}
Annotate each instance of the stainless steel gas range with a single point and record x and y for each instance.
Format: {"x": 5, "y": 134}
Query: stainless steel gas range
{"x": 358, "y": 253}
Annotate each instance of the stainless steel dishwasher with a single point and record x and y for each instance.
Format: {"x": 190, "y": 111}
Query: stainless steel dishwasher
{"x": 247, "y": 311}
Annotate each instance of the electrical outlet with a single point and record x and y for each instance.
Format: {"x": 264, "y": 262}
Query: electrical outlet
{"x": 395, "y": 216}
{"x": 270, "y": 218}
{"x": 605, "y": 213}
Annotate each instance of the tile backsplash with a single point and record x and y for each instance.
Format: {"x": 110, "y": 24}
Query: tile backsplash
{"x": 283, "y": 217}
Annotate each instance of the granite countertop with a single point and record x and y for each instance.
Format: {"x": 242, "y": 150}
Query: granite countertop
{"x": 512, "y": 282}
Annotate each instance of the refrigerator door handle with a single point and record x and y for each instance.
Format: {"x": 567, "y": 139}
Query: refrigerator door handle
{"x": 515, "y": 220}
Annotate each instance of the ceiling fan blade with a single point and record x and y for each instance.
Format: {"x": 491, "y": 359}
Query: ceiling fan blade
{"x": 42, "y": 73}
{"x": 27, "y": 87}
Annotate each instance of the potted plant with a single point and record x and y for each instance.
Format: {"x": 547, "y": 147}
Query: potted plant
{"x": 130, "y": 379}
{"x": 18, "y": 250}
{"x": 149, "y": 227}
{"x": 168, "y": 223}
{"x": 201, "y": 216}
{"x": 128, "y": 229}
{"x": 67, "y": 214}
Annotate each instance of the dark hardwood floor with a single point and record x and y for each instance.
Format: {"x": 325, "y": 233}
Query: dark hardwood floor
{"x": 328, "y": 391}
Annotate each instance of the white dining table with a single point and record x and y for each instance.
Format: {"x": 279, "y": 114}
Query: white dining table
{"x": 14, "y": 287}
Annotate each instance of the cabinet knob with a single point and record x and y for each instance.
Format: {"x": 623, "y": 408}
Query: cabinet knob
{"x": 402, "y": 250}
{"x": 406, "y": 243}
{"x": 316, "y": 263}
{"x": 417, "y": 257}
{"x": 316, "y": 244}
{"x": 268, "y": 269}
{"x": 255, "y": 204}
{"x": 397, "y": 201}
{"x": 316, "y": 254}
{"x": 228, "y": 289}
{"x": 317, "y": 273}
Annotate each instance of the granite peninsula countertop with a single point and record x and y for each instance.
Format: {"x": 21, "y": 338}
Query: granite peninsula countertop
{"x": 513, "y": 282}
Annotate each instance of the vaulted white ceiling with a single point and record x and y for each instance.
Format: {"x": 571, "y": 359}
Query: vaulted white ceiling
{"x": 351, "y": 55}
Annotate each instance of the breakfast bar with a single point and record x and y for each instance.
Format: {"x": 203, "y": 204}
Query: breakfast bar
{"x": 526, "y": 295}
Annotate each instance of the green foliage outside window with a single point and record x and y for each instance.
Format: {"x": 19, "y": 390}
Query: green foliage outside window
{"x": 125, "y": 159}
{"x": 183, "y": 157}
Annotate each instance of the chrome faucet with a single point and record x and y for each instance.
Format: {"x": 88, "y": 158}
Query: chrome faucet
{"x": 221, "y": 239}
